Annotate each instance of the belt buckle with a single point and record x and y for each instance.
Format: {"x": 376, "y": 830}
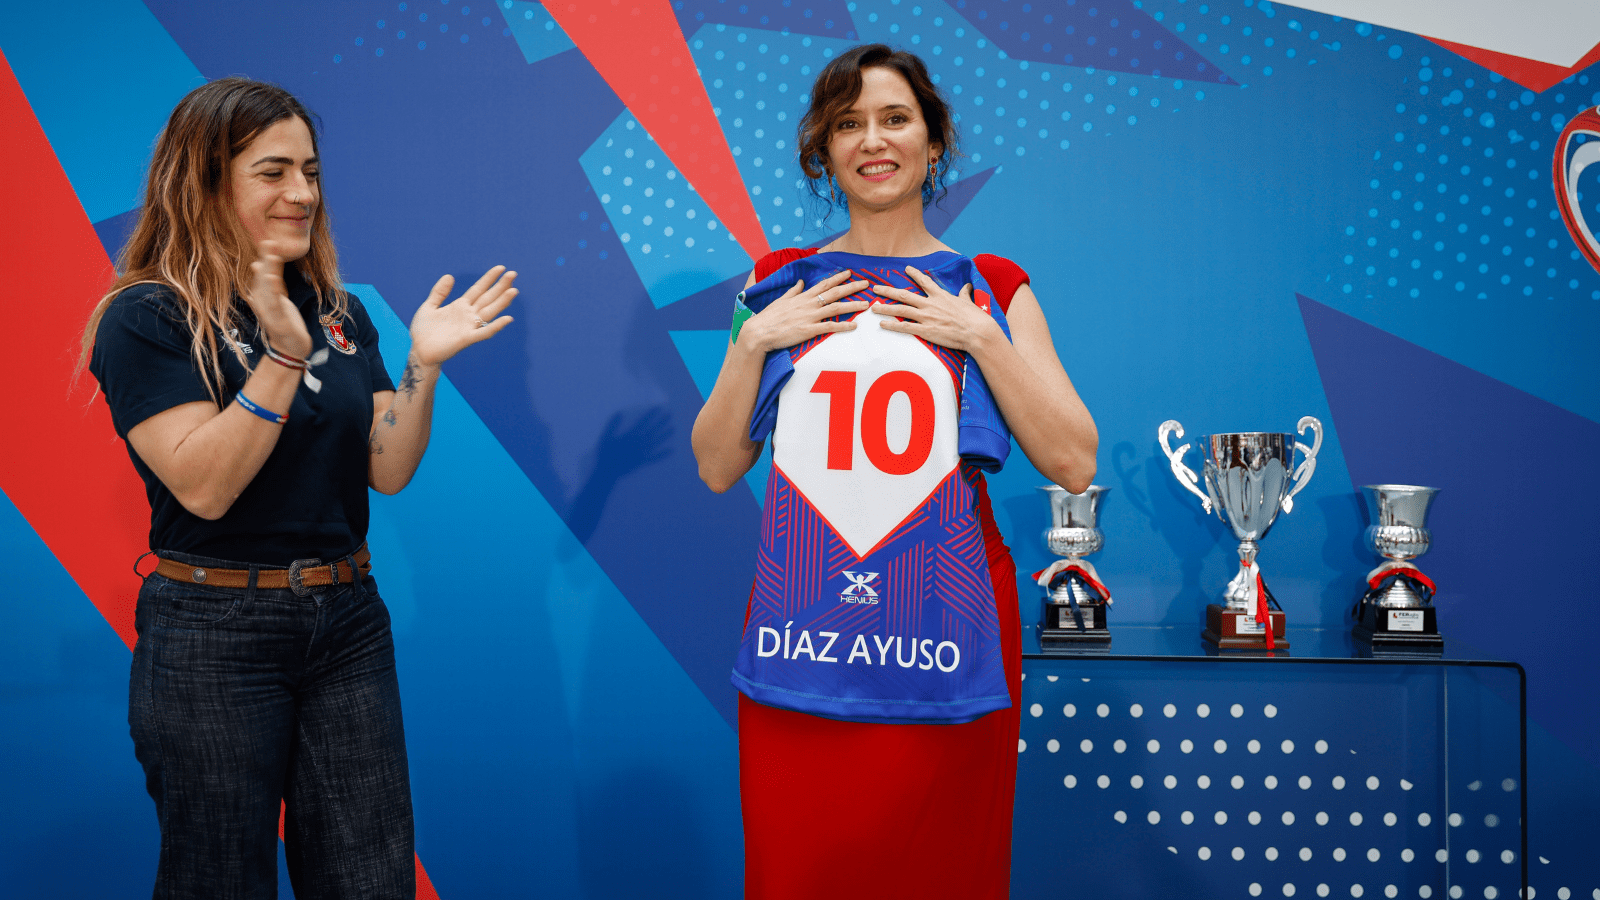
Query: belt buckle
{"x": 296, "y": 582}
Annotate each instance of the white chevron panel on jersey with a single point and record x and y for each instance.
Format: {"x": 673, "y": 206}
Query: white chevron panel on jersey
{"x": 917, "y": 436}
{"x": 1558, "y": 32}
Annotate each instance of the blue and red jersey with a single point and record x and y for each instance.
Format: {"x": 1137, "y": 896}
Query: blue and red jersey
{"x": 873, "y": 599}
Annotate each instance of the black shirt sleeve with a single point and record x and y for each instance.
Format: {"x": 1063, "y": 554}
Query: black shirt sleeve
{"x": 367, "y": 337}
{"x": 142, "y": 357}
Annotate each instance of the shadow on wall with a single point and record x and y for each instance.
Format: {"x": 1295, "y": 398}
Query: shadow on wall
{"x": 638, "y": 826}
{"x": 631, "y": 440}
{"x": 1347, "y": 553}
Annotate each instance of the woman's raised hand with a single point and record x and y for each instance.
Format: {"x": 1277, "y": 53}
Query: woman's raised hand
{"x": 279, "y": 320}
{"x": 802, "y": 313}
{"x": 940, "y": 317}
{"x": 440, "y": 330}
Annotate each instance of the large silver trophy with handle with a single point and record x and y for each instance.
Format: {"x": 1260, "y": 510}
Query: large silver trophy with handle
{"x": 1397, "y": 613}
{"x": 1249, "y": 477}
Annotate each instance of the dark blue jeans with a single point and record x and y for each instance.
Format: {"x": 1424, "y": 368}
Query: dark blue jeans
{"x": 241, "y": 697}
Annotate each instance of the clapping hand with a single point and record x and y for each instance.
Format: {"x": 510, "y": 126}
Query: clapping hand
{"x": 440, "y": 330}
{"x": 276, "y": 315}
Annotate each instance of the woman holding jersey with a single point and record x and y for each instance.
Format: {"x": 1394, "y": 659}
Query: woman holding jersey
{"x": 880, "y": 670}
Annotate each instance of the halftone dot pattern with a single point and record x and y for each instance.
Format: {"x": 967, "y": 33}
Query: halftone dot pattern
{"x": 1106, "y": 34}
{"x": 1369, "y": 813}
{"x": 758, "y": 82}
{"x": 418, "y": 25}
{"x": 1460, "y": 195}
{"x": 1249, "y": 41}
{"x": 537, "y": 34}
{"x": 669, "y": 234}
{"x": 1006, "y": 108}
{"x": 823, "y": 18}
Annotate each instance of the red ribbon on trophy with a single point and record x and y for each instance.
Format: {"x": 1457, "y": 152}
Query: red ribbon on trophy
{"x": 1396, "y": 568}
{"x": 1379, "y": 580}
{"x": 1047, "y": 576}
{"x": 1256, "y": 594}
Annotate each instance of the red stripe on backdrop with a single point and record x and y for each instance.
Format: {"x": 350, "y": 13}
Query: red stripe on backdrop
{"x": 1532, "y": 74}
{"x": 64, "y": 467}
{"x": 638, "y": 48}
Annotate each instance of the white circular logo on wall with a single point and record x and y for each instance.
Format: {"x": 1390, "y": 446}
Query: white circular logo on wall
{"x": 1571, "y": 158}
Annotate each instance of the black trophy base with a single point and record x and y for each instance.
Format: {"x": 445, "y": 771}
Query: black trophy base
{"x": 1407, "y": 631}
{"x": 1232, "y": 629}
{"x": 1059, "y": 630}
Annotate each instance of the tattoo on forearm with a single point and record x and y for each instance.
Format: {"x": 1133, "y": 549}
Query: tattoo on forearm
{"x": 409, "y": 380}
{"x": 373, "y": 447}
{"x": 389, "y": 418}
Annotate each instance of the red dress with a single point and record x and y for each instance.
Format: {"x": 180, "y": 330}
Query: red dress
{"x": 850, "y": 809}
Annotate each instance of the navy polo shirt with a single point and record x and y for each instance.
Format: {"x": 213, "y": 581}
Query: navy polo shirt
{"x": 310, "y": 498}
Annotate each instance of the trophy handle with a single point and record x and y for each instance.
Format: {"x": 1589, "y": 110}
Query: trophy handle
{"x": 1183, "y": 473}
{"x": 1308, "y": 467}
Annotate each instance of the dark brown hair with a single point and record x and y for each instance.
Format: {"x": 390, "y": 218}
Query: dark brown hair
{"x": 835, "y": 91}
{"x": 189, "y": 237}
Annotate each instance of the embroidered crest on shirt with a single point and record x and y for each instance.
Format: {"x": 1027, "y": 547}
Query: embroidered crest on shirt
{"x": 333, "y": 329}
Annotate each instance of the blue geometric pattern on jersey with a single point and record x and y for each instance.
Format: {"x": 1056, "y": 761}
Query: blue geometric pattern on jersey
{"x": 883, "y": 661}
{"x": 985, "y": 439}
{"x": 909, "y": 632}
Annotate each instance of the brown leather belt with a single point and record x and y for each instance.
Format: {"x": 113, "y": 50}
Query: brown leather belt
{"x": 301, "y": 576}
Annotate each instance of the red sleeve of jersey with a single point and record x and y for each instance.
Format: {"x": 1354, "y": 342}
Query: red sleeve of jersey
{"x": 1002, "y": 274}
{"x": 781, "y": 257}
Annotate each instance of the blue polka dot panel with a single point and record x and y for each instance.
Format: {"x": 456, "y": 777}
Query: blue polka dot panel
{"x": 536, "y": 33}
{"x": 674, "y": 243}
{"x": 1272, "y": 778}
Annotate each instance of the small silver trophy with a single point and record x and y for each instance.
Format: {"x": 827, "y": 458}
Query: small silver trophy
{"x": 1397, "y": 610}
{"x": 1248, "y": 480}
{"x": 1076, "y": 600}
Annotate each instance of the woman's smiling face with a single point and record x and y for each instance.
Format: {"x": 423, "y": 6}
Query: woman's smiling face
{"x": 879, "y": 149}
{"x": 276, "y": 186}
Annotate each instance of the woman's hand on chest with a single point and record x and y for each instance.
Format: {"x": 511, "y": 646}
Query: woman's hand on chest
{"x": 937, "y": 316}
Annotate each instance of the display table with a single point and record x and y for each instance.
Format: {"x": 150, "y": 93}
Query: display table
{"x": 1163, "y": 769}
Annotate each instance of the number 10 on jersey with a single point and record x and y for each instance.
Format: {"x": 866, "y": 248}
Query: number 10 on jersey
{"x": 841, "y": 390}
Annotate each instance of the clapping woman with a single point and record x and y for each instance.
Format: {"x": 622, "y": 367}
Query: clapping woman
{"x": 256, "y": 408}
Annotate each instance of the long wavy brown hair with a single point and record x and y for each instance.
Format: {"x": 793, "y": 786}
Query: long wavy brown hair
{"x": 189, "y": 237}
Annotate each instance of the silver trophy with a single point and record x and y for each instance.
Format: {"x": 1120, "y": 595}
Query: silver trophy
{"x": 1249, "y": 477}
{"x": 1073, "y": 534}
{"x": 1398, "y": 614}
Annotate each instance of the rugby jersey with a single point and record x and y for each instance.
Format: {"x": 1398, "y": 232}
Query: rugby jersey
{"x": 872, "y": 598}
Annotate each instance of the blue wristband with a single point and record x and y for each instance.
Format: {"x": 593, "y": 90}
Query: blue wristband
{"x": 261, "y": 411}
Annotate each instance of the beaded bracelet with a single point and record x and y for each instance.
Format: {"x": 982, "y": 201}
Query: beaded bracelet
{"x": 259, "y": 410}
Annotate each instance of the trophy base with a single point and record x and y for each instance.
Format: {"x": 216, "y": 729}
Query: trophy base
{"x": 1231, "y": 629}
{"x": 1059, "y": 629}
{"x": 1399, "y": 630}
